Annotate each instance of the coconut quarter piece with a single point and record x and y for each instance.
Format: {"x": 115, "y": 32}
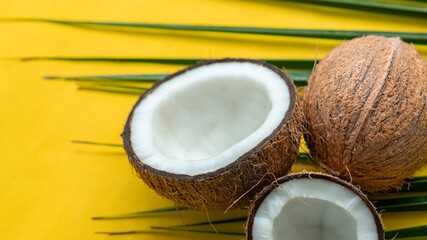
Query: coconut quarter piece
{"x": 206, "y": 135}
{"x": 305, "y": 206}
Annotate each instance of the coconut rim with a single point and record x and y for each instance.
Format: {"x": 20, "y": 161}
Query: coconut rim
{"x": 263, "y": 195}
{"x": 199, "y": 177}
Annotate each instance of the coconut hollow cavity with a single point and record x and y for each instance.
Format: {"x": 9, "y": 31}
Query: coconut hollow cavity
{"x": 214, "y": 123}
{"x": 306, "y": 206}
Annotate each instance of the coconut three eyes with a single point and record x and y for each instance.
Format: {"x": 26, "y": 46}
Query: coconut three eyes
{"x": 206, "y": 135}
{"x": 365, "y": 107}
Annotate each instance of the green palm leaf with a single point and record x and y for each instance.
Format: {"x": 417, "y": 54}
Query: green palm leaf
{"x": 416, "y": 38}
{"x": 371, "y": 6}
{"x": 390, "y": 205}
{"x": 413, "y": 232}
{"x": 113, "y": 88}
{"x": 300, "y": 78}
{"x": 150, "y": 230}
{"x": 394, "y": 204}
{"x": 98, "y": 143}
{"x": 404, "y": 233}
{"x": 288, "y": 63}
{"x": 125, "y": 77}
{"x": 231, "y": 220}
{"x": 140, "y": 213}
{"x": 301, "y": 158}
{"x": 417, "y": 203}
{"x": 418, "y": 184}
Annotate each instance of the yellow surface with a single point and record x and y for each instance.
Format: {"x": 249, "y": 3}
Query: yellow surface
{"x": 51, "y": 188}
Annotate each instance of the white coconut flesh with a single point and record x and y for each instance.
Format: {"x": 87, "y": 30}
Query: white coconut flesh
{"x": 206, "y": 118}
{"x": 313, "y": 209}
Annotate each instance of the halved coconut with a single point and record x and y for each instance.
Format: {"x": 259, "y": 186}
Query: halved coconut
{"x": 207, "y": 134}
{"x": 313, "y": 206}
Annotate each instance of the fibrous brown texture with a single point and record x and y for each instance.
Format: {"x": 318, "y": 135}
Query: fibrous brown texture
{"x": 365, "y": 107}
{"x": 218, "y": 190}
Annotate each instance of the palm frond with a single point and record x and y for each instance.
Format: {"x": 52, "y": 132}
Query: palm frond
{"x": 197, "y": 231}
{"x": 300, "y": 78}
{"x": 170, "y": 229}
{"x": 404, "y": 233}
{"x": 411, "y": 37}
{"x": 113, "y": 88}
{"x": 301, "y": 158}
{"x": 371, "y": 6}
{"x": 418, "y": 184}
{"x": 150, "y": 78}
{"x": 140, "y": 213}
{"x": 288, "y": 63}
{"x": 97, "y": 143}
{"x": 417, "y": 203}
{"x": 413, "y": 232}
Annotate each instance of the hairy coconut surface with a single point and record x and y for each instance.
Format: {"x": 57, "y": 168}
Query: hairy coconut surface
{"x": 214, "y": 132}
{"x": 365, "y": 107}
{"x": 306, "y": 206}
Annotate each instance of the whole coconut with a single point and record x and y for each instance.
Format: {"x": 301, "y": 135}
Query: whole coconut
{"x": 365, "y": 107}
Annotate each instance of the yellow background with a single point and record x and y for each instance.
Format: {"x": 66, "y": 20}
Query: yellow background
{"x": 50, "y": 188}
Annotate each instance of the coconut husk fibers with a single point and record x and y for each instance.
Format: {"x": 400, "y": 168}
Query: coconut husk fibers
{"x": 272, "y": 157}
{"x": 259, "y": 199}
{"x": 365, "y": 108}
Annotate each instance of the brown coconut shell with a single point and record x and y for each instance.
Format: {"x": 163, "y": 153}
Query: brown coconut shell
{"x": 259, "y": 199}
{"x": 365, "y": 108}
{"x": 237, "y": 183}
